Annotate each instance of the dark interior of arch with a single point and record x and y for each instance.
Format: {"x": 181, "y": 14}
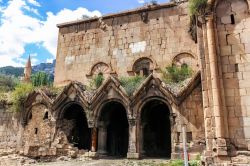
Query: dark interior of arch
{"x": 80, "y": 134}
{"x": 157, "y": 129}
{"x": 117, "y": 130}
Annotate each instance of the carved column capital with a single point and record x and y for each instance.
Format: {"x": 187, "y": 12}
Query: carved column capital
{"x": 132, "y": 122}
{"x": 91, "y": 124}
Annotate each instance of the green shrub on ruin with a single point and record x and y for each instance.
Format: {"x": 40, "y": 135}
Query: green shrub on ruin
{"x": 176, "y": 163}
{"x": 96, "y": 81}
{"x": 176, "y": 74}
{"x": 130, "y": 84}
{"x": 20, "y": 94}
{"x": 194, "y": 163}
{"x": 197, "y": 7}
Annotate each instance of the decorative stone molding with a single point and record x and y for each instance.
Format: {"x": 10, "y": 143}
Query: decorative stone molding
{"x": 102, "y": 25}
{"x": 144, "y": 16}
{"x": 100, "y": 67}
{"x": 186, "y": 58}
{"x": 140, "y": 63}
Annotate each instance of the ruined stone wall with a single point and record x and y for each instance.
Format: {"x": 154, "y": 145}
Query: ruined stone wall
{"x": 38, "y": 132}
{"x": 190, "y": 112}
{"x": 8, "y": 131}
{"x": 233, "y": 31}
{"x": 114, "y": 44}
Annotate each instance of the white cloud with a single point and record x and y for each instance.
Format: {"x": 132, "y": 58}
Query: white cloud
{"x": 34, "y": 2}
{"x": 49, "y": 60}
{"x": 65, "y": 15}
{"x": 17, "y": 29}
{"x": 141, "y": 1}
{"x": 34, "y": 61}
{"x": 32, "y": 10}
{"x": 33, "y": 55}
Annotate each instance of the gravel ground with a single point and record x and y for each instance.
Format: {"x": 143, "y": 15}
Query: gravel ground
{"x": 108, "y": 162}
{"x": 16, "y": 160}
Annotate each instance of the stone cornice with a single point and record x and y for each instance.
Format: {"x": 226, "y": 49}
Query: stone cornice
{"x": 119, "y": 14}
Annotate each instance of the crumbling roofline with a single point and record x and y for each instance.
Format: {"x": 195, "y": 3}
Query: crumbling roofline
{"x": 124, "y": 13}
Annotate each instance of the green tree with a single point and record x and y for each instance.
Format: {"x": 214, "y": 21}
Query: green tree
{"x": 40, "y": 79}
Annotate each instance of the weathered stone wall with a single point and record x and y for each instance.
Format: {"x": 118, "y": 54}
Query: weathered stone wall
{"x": 115, "y": 43}
{"x": 233, "y": 30}
{"x": 8, "y": 131}
{"x": 190, "y": 112}
{"x": 38, "y": 133}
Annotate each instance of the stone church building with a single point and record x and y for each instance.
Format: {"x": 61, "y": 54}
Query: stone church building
{"x": 214, "y": 105}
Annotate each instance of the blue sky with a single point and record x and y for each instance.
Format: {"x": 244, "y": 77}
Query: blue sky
{"x": 28, "y": 27}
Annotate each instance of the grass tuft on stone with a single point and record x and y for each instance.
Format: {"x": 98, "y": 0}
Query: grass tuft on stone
{"x": 130, "y": 84}
{"x": 176, "y": 74}
{"x": 96, "y": 81}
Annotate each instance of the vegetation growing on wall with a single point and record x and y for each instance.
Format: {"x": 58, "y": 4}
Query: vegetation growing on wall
{"x": 176, "y": 74}
{"x": 20, "y": 94}
{"x": 96, "y": 81}
{"x": 196, "y": 8}
{"x": 130, "y": 84}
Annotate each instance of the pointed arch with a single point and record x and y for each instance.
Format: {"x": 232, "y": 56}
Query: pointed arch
{"x": 73, "y": 93}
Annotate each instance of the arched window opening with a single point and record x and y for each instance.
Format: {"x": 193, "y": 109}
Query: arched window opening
{"x": 46, "y": 115}
{"x": 143, "y": 67}
{"x": 30, "y": 115}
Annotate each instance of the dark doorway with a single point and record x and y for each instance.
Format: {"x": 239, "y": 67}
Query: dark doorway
{"x": 156, "y": 130}
{"x": 114, "y": 114}
{"x": 79, "y": 134}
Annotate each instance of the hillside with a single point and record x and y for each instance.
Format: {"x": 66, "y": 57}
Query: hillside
{"x": 18, "y": 71}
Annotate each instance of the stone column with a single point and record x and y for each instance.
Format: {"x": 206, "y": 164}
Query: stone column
{"x": 219, "y": 113}
{"x": 172, "y": 126}
{"x": 94, "y": 139}
{"x": 102, "y": 138}
{"x": 132, "y": 154}
{"x": 206, "y": 91}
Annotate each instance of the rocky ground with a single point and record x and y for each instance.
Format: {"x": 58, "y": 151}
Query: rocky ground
{"x": 16, "y": 160}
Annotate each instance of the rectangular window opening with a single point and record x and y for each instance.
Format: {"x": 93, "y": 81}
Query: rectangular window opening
{"x": 36, "y": 130}
{"x": 178, "y": 137}
{"x": 189, "y": 137}
{"x": 236, "y": 67}
{"x": 232, "y": 19}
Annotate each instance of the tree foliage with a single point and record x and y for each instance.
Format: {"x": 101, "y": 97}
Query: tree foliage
{"x": 20, "y": 94}
{"x": 7, "y": 83}
{"x": 12, "y": 71}
{"x": 130, "y": 84}
{"x": 40, "y": 79}
{"x": 176, "y": 74}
